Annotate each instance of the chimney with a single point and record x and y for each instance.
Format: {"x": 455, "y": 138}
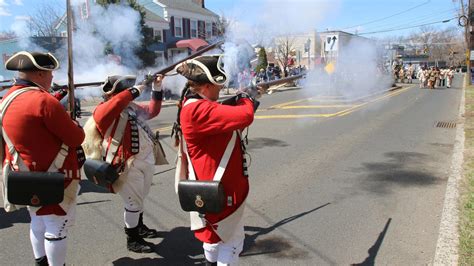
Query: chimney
{"x": 199, "y": 2}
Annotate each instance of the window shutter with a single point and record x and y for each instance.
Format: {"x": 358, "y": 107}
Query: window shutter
{"x": 201, "y": 29}
{"x": 188, "y": 27}
{"x": 172, "y": 26}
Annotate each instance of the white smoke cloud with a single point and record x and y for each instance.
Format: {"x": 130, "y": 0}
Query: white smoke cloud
{"x": 267, "y": 20}
{"x": 115, "y": 28}
{"x": 356, "y": 72}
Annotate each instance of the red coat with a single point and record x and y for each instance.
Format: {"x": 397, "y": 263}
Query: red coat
{"x": 207, "y": 128}
{"x": 37, "y": 125}
{"x": 106, "y": 114}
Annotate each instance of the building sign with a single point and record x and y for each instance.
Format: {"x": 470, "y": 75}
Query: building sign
{"x": 330, "y": 45}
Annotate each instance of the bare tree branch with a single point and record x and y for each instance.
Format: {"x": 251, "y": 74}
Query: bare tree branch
{"x": 44, "y": 20}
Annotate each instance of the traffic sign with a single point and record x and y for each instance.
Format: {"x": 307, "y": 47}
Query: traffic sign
{"x": 331, "y": 43}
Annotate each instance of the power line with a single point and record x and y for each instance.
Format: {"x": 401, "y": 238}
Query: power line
{"x": 391, "y": 16}
{"x": 404, "y": 28}
{"x": 408, "y": 22}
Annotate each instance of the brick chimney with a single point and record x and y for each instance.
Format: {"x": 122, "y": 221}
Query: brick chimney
{"x": 199, "y": 2}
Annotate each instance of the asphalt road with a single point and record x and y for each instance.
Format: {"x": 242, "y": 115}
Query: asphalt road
{"x": 333, "y": 182}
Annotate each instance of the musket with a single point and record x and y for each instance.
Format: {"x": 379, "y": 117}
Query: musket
{"x": 5, "y": 81}
{"x": 266, "y": 85}
{"x": 150, "y": 77}
{"x": 4, "y": 87}
{"x": 195, "y": 54}
{"x": 70, "y": 72}
{"x": 253, "y": 91}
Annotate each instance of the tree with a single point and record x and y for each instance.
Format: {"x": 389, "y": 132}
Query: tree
{"x": 143, "y": 52}
{"x": 7, "y": 35}
{"x": 284, "y": 48}
{"x": 440, "y": 44}
{"x": 222, "y": 24}
{"x": 43, "y": 22}
{"x": 262, "y": 60}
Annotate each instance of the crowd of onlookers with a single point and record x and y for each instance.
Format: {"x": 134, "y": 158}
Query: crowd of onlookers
{"x": 271, "y": 72}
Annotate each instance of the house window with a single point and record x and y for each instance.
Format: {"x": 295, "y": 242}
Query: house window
{"x": 157, "y": 34}
{"x": 160, "y": 58}
{"x": 208, "y": 30}
{"x": 84, "y": 10}
{"x": 194, "y": 29}
{"x": 178, "y": 27}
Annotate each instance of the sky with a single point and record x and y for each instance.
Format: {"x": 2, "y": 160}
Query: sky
{"x": 355, "y": 16}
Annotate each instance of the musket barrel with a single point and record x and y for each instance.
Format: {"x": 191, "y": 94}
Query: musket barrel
{"x": 268, "y": 84}
{"x": 197, "y": 53}
{"x": 265, "y": 85}
{"x": 4, "y": 87}
{"x": 86, "y": 84}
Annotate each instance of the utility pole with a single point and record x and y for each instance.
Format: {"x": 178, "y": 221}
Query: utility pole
{"x": 468, "y": 35}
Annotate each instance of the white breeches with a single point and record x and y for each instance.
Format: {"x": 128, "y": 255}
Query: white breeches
{"x": 226, "y": 253}
{"x": 48, "y": 235}
{"x": 135, "y": 189}
{"x": 449, "y": 82}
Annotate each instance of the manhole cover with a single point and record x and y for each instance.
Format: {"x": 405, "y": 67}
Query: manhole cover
{"x": 443, "y": 124}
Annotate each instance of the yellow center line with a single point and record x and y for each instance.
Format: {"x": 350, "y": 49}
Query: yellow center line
{"x": 316, "y": 106}
{"x": 356, "y": 107}
{"x": 292, "y": 116}
{"x": 165, "y": 128}
{"x": 340, "y": 113}
{"x": 287, "y": 103}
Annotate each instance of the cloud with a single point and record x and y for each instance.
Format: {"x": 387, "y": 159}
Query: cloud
{"x": 26, "y": 18}
{"x": 18, "y": 2}
{"x": 4, "y": 12}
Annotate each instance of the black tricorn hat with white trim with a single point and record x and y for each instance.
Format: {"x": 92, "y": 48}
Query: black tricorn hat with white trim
{"x": 205, "y": 68}
{"x": 32, "y": 61}
{"x": 116, "y": 83}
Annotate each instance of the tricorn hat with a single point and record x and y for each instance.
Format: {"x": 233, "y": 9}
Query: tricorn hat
{"x": 206, "y": 68}
{"x": 31, "y": 61}
{"x": 116, "y": 83}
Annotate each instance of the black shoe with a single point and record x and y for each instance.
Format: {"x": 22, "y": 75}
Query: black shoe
{"x": 144, "y": 231}
{"x": 208, "y": 263}
{"x": 135, "y": 243}
{"x": 43, "y": 261}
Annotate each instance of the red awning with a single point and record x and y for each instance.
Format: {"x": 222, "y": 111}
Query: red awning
{"x": 193, "y": 44}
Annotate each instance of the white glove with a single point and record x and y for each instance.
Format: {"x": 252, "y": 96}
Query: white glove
{"x": 157, "y": 83}
{"x": 140, "y": 88}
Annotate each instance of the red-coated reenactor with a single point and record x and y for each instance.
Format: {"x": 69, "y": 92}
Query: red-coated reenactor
{"x": 129, "y": 145}
{"x": 38, "y": 126}
{"x": 207, "y": 127}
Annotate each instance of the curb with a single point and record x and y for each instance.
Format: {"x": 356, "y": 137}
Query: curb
{"x": 448, "y": 239}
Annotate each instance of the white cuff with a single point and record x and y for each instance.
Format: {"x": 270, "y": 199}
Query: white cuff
{"x": 156, "y": 89}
